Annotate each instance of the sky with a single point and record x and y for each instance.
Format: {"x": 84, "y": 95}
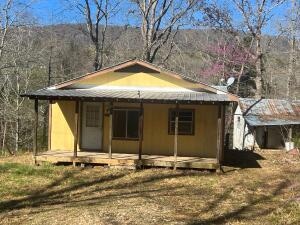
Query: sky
{"x": 59, "y": 11}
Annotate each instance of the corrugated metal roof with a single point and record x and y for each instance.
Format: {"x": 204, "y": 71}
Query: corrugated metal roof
{"x": 268, "y": 112}
{"x": 220, "y": 87}
{"x": 127, "y": 95}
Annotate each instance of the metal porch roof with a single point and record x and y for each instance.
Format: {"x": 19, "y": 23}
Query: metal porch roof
{"x": 126, "y": 95}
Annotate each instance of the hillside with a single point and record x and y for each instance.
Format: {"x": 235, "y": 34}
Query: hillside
{"x": 73, "y": 53}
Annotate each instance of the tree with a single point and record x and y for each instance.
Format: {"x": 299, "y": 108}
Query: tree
{"x": 229, "y": 59}
{"x": 160, "y": 21}
{"x": 293, "y": 19}
{"x": 256, "y": 15}
{"x": 17, "y": 60}
{"x": 97, "y": 14}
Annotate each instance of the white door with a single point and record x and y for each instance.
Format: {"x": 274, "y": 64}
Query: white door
{"x": 91, "y": 125}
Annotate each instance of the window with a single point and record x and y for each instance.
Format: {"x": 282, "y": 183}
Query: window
{"x": 92, "y": 116}
{"x": 126, "y": 123}
{"x": 185, "y": 121}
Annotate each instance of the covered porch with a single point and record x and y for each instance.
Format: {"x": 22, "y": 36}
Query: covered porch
{"x": 142, "y": 156}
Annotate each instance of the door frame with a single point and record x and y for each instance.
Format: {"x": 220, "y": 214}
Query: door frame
{"x": 81, "y": 129}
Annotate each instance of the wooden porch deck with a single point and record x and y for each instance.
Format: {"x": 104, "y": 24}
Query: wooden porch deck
{"x": 127, "y": 160}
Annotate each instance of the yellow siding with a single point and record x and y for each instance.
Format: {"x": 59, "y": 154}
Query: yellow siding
{"x": 138, "y": 79}
{"x": 156, "y": 139}
{"x": 63, "y": 123}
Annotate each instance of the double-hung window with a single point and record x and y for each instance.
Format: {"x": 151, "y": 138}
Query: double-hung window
{"x": 185, "y": 121}
{"x": 126, "y": 123}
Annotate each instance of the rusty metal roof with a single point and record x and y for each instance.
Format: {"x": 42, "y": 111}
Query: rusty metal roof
{"x": 270, "y": 112}
{"x": 127, "y": 96}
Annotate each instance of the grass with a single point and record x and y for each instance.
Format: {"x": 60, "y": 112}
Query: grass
{"x": 255, "y": 188}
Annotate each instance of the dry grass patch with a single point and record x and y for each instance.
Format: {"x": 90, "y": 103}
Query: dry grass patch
{"x": 268, "y": 193}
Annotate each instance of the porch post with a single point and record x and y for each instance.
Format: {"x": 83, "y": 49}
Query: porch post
{"x": 36, "y": 107}
{"x": 254, "y": 138}
{"x": 141, "y": 125}
{"x": 110, "y": 130}
{"x": 265, "y": 137}
{"x": 49, "y": 123}
{"x": 220, "y": 133}
{"x": 290, "y": 134}
{"x": 76, "y": 132}
{"x": 176, "y": 137}
{"x": 223, "y": 111}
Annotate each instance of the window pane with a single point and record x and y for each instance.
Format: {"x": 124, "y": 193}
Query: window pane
{"x": 133, "y": 124}
{"x": 185, "y": 116}
{"x": 119, "y": 123}
{"x": 92, "y": 116}
{"x": 172, "y": 115}
{"x": 185, "y": 128}
{"x": 185, "y": 121}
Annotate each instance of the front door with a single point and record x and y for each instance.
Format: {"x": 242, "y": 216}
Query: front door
{"x": 91, "y": 125}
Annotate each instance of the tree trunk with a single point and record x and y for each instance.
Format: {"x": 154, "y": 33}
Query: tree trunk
{"x": 290, "y": 76}
{"x": 4, "y": 137}
{"x": 17, "y": 133}
{"x": 239, "y": 80}
{"x": 292, "y": 56}
{"x": 259, "y": 66}
{"x": 96, "y": 59}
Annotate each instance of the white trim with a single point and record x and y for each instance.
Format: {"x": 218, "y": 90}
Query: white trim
{"x": 221, "y": 92}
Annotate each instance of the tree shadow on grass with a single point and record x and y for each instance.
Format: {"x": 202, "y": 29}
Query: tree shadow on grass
{"x": 244, "y": 211}
{"x": 242, "y": 159}
{"x": 108, "y": 188}
{"x": 42, "y": 195}
{"x": 52, "y": 194}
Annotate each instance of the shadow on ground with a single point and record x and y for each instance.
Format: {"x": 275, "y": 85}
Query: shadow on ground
{"x": 242, "y": 159}
{"x": 188, "y": 201}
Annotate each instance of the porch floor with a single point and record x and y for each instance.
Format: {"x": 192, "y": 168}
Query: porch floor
{"x": 127, "y": 160}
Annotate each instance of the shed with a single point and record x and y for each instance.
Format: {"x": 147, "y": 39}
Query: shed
{"x": 264, "y": 123}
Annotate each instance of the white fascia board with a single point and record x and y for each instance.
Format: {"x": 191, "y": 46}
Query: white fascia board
{"x": 221, "y": 92}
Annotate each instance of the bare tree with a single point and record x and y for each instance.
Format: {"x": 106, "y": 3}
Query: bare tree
{"x": 160, "y": 21}
{"x": 256, "y": 15}
{"x": 97, "y": 14}
{"x": 292, "y": 29}
{"x": 16, "y": 59}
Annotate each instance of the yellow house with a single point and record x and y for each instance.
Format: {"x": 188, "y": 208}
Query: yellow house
{"x": 135, "y": 114}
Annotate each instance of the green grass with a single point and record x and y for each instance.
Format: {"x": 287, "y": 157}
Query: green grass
{"x": 17, "y": 169}
{"x": 265, "y": 192}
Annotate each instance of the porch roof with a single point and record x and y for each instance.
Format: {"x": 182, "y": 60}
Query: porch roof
{"x": 128, "y": 96}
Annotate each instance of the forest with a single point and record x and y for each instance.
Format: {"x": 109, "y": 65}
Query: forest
{"x": 256, "y": 42}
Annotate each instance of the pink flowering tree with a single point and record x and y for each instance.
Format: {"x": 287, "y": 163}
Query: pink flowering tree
{"x": 229, "y": 59}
